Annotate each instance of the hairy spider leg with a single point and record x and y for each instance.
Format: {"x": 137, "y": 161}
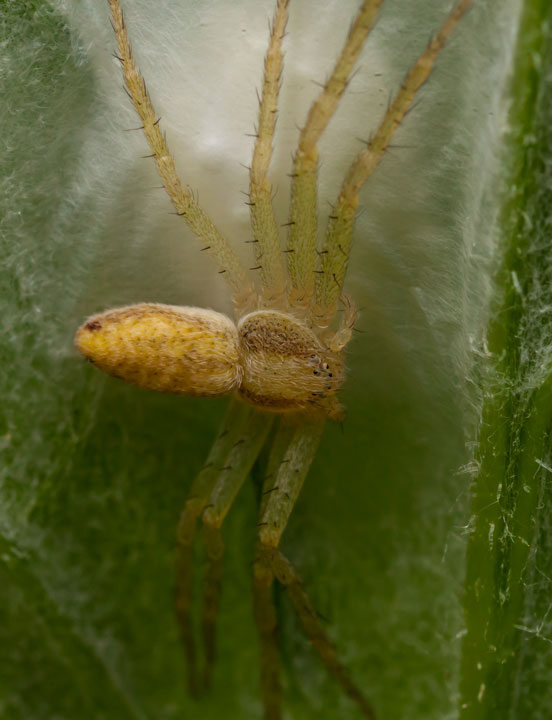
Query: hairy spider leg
{"x": 268, "y": 256}
{"x": 229, "y": 265}
{"x": 290, "y": 458}
{"x": 239, "y": 462}
{"x": 237, "y": 415}
{"x": 265, "y": 614}
{"x": 301, "y": 250}
{"x": 335, "y": 253}
{"x": 291, "y": 454}
{"x": 287, "y": 576}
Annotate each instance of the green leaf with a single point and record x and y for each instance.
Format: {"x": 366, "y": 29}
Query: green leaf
{"x": 507, "y": 653}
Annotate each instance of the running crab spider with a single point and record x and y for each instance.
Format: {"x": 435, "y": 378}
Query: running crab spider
{"x": 282, "y": 359}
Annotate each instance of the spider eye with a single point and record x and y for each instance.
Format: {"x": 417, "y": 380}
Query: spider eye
{"x": 187, "y": 351}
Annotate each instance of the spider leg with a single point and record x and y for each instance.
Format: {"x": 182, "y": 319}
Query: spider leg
{"x": 212, "y": 240}
{"x": 268, "y": 256}
{"x": 287, "y": 575}
{"x": 198, "y": 497}
{"x": 302, "y": 229}
{"x": 239, "y": 462}
{"x": 265, "y": 619}
{"x": 284, "y": 488}
{"x": 334, "y": 256}
{"x": 263, "y": 577}
{"x": 290, "y": 458}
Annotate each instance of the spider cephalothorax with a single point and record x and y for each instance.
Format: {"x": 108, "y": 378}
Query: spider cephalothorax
{"x": 286, "y": 367}
{"x": 283, "y": 356}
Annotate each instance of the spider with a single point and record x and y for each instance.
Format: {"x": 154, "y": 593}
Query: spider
{"x": 281, "y": 359}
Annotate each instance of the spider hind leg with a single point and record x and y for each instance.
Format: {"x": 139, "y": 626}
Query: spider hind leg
{"x": 290, "y": 458}
{"x": 198, "y": 498}
{"x": 213, "y": 491}
{"x": 239, "y": 462}
{"x": 287, "y": 576}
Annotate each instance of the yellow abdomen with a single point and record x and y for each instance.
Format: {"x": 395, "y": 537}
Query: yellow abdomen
{"x": 181, "y": 350}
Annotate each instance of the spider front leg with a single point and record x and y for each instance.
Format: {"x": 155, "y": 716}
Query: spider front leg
{"x": 268, "y": 258}
{"x": 301, "y": 251}
{"x": 181, "y": 197}
{"x": 334, "y": 255}
{"x": 291, "y": 456}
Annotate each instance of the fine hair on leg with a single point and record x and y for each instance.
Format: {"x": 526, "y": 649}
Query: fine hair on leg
{"x": 237, "y": 415}
{"x": 238, "y": 464}
{"x": 182, "y": 199}
{"x": 335, "y": 253}
{"x": 268, "y": 256}
{"x": 301, "y": 252}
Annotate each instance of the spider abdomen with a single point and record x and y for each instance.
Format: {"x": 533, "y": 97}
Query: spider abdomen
{"x": 182, "y": 350}
{"x": 286, "y": 368}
